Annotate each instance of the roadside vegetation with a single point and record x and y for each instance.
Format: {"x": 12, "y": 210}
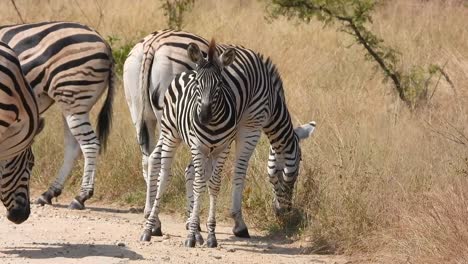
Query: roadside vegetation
{"x": 383, "y": 178}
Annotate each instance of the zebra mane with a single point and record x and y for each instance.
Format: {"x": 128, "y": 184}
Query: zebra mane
{"x": 211, "y": 50}
{"x": 273, "y": 71}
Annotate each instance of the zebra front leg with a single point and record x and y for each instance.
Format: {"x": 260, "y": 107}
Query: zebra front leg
{"x": 211, "y": 240}
{"x": 72, "y": 151}
{"x": 214, "y": 186}
{"x": 189, "y": 177}
{"x": 166, "y": 154}
{"x": 80, "y": 127}
{"x": 199, "y": 186}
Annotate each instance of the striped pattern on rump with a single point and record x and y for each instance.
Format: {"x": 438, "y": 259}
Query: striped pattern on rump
{"x": 69, "y": 64}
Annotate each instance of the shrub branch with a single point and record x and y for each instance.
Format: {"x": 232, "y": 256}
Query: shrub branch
{"x": 411, "y": 87}
{"x": 17, "y": 11}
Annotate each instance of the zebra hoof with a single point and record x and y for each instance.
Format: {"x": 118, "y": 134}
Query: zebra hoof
{"x": 211, "y": 241}
{"x": 190, "y": 241}
{"x": 76, "y": 205}
{"x": 187, "y": 227}
{"x": 156, "y": 231}
{"x": 199, "y": 239}
{"x": 43, "y": 200}
{"x": 46, "y": 197}
{"x": 243, "y": 233}
{"x": 146, "y": 236}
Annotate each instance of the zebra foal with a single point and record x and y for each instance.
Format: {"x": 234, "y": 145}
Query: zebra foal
{"x": 19, "y": 123}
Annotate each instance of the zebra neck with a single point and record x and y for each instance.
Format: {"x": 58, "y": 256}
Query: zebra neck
{"x": 285, "y": 145}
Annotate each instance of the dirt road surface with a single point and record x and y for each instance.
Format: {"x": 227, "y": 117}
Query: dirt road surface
{"x": 102, "y": 234}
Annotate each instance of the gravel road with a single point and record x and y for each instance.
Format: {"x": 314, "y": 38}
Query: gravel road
{"x": 106, "y": 234}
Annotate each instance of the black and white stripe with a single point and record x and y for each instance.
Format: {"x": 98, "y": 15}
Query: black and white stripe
{"x": 71, "y": 65}
{"x": 260, "y": 106}
{"x": 19, "y": 123}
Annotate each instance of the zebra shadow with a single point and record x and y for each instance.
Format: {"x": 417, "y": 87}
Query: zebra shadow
{"x": 260, "y": 245}
{"x": 105, "y": 209}
{"x": 280, "y": 239}
{"x": 274, "y": 245}
{"x": 72, "y": 251}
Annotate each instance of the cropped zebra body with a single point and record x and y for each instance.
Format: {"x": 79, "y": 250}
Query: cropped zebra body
{"x": 19, "y": 123}
{"x": 71, "y": 65}
{"x": 257, "y": 92}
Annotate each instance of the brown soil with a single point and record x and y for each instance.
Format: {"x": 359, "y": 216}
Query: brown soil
{"x": 106, "y": 234}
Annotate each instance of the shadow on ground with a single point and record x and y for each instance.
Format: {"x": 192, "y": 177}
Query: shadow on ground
{"x": 105, "y": 210}
{"x": 51, "y": 250}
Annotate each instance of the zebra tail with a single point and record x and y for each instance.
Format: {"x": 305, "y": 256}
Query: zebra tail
{"x": 145, "y": 71}
{"x": 105, "y": 115}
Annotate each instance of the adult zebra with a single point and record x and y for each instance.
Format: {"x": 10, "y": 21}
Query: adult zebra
{"x": 19, "y": 123}
{"x": 71, "y": 65}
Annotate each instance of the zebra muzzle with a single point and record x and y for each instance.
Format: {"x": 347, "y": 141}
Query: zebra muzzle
{"x": 205, "y": 114}
{"x": 19, "y": 213}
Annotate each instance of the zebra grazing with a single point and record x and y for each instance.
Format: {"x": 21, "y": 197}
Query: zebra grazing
{"x": 229, "y": 97}
{"x": 19, "y": 123}
{"x": 70, "y": 64}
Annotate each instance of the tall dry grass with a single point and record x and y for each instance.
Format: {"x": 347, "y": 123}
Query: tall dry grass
{"x": 376, "y": 177}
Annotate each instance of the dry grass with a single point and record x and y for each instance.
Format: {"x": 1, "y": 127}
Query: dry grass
{"x": 376, "y": 177}
{"x": 432, "y": 229}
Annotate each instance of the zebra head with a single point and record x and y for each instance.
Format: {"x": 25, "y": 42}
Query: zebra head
{"x": 286, "y": 169}
{"x": 208, "y": 77}
{"x": 15, "y": 186}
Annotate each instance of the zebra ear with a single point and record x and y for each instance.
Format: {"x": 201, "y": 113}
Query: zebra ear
{"x": 194, "y": 52}
{"x": 305, "y": 131}
{"x": 41, "y": 125}
{"x": 227, "y": 57}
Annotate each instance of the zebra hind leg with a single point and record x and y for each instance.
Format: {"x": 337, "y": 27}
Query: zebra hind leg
{"x": 245, "y": 145}
{"x": 72, "y": 151}
{"x": 80, "y": 127}
{"x": 46, "y": 197}
{"x": 160, "y": 162}
{"x": 147, "y": 144}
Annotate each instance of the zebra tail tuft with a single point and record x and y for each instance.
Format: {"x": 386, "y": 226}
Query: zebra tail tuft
{"x": 105, "y": 115}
